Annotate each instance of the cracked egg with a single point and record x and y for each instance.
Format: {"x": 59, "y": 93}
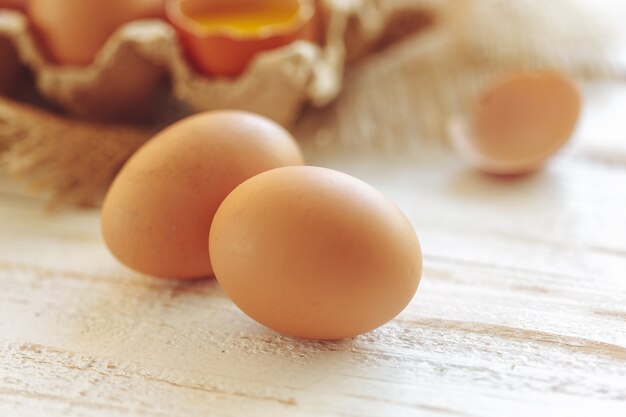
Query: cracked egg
{"x": 222, "y": 36}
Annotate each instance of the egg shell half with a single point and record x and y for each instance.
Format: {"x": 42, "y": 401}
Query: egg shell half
{"x": 315, "y": 253}
{"x": 519, "y": 122}
{"x": 224, "y": 51}
{"x": 157, "y": 214}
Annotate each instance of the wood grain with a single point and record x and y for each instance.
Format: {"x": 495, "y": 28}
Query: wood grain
{"x": 521, "y": 310}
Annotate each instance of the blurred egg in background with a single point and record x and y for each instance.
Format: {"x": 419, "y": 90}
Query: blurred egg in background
{"x": 73, "y": 31}
{"x": 14, "y": 4}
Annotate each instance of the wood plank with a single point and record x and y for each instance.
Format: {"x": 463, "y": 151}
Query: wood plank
{"x": 521, "y": 310}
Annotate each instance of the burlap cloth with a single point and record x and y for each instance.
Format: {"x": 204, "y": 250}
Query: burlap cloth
{"x": 461, "y": 45}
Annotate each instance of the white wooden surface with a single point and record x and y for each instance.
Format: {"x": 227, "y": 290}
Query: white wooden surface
{"x": 521, "y": 310}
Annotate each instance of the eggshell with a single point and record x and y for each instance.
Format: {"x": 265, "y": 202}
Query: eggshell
{"x": 314, "y": 253}
{"x": 73, "y": 31}
{"x": 223, "y": 48}
{"x": 519, "y": 122}
{"x": 158, "y": 211}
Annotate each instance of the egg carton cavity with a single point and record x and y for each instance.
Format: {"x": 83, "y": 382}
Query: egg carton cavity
{"x": 131, "y": 67}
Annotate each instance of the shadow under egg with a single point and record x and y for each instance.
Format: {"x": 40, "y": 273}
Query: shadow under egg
{"x": 468, "y": 183}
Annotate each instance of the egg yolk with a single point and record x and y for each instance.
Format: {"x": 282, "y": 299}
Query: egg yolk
{"x": 247, "y": 22}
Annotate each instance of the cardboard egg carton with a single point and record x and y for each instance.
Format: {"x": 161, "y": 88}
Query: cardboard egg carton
{"x": 132, "y": 65}
{"x": 467, "y": 43}
{"x": 71, "y": 146}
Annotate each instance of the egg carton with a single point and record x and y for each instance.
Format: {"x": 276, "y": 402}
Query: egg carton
{"x": 131, "y": 66}
{"x": 73, "y": 148}
{"x": 467, "y": 43}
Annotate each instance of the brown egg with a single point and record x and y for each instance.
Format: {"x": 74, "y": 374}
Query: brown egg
{"x": 314, "y": 253}
{"x": 157, "y": 214}
{"x": 13, "y": 4}
{"x": 73, "y": 31}
{"x": 519, "y": 122}
{"x": 223, "y": 36}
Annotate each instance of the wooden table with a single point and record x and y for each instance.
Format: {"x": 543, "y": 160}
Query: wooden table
{"x": 521, "y": 310}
